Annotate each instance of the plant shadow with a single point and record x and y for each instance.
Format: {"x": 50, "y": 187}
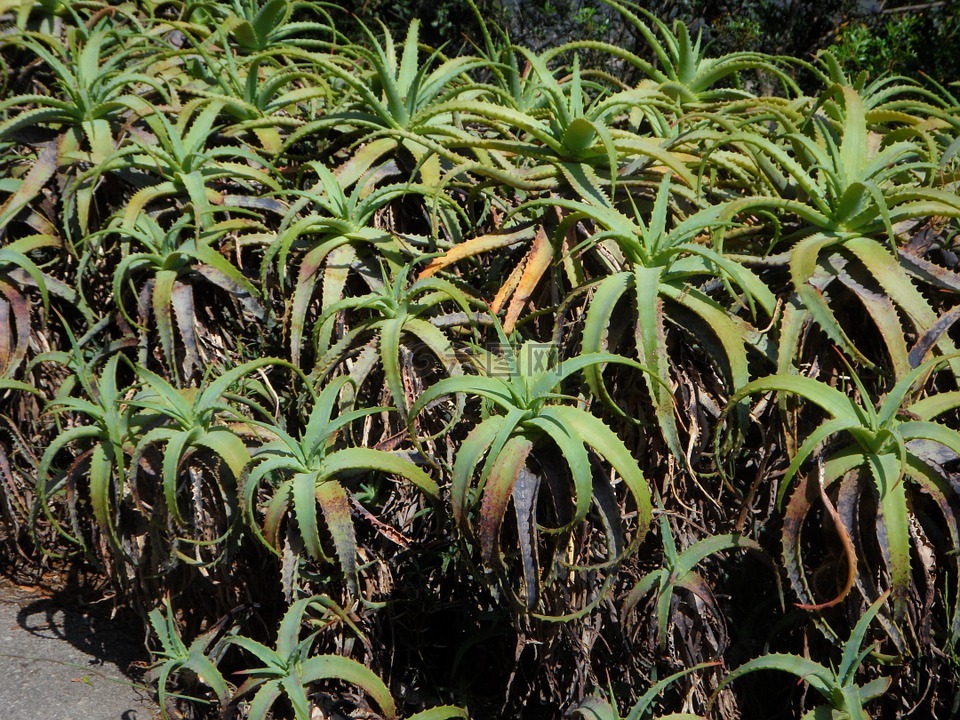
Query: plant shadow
{"x": 88, "y": 629}
{"x": 96, "y": 644}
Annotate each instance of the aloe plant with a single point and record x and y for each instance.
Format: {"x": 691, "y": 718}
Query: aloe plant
{"x": 184, "y": 422}
{"x": 303, "y": 473}
{"x": 105, "y": 430}
{"x": 395, "y": 314}
{"x": 847, "y": 192}
{"x": 884, "y": 453}
{"x": 96, "y": 78}
{"x": 264, "y": 99}
{"x": 42, "y": 16}
{"x": 574, "y": 142}
{"x": 845, "y": 698}
{"x": 580, "y": 137}
{"x": 181, "y": 160}
{"x": 664, "y": 267}
{"x": 291, "y": 669}
{"x": 23, "y": 191}
{"x": 678, "y": 572}
{"x": 683, "y": 70}
{"x": 201, "y": 657}
{"x": 270, "y": 27}
{"x": 894, "y": 100}
{"x": 838, "y": 177}
{"x": 395, "y": 104}
{"x": 527, "y": 274}
{"x": 521, "y": 388}
{"x": 595, "y": 707}
{"x": 16, "y": 323}
{"x": 332, "y": 240}
{"x": 191, "y": 188}
{"x": 165, "y": 276}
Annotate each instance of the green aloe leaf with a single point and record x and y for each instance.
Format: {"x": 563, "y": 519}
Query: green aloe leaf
{"x": 888, "y": 474}
{"x": 611, "y": 449}
{"x": 329, "y": 666}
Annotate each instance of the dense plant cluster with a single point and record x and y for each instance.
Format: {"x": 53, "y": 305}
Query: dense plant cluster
{"x": 382, "y": 382}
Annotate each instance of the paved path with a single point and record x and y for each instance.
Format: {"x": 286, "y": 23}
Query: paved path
{"x": 59, "y": 661}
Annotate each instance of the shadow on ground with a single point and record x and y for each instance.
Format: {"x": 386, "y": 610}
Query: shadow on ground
{"x": 60, "y": 657}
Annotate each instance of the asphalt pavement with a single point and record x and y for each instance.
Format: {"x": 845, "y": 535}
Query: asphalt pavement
{"x": 62, "y": 659}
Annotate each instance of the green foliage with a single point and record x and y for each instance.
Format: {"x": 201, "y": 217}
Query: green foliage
{"x": 884, "y": 453}
{"x": 303, "y": 473}
{"x": 519, "y": 386}
{"x": 838, "y": 687}
{"x": 291, "y": 668}
{"x": 678, "y": 572}
{"x": 175, "y": 656}
{"x": 373, "y": 349}
{"x": 598, "y": 708}
{"x": 902, "y": 42}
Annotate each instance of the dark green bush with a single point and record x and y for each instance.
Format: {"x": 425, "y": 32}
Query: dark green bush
{"x": 906, "y": 37}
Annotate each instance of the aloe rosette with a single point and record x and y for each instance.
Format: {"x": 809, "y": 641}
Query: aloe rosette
{"x": 524, "y": 415}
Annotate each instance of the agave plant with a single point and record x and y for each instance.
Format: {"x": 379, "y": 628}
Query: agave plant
{"x": 523, "y": 422}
